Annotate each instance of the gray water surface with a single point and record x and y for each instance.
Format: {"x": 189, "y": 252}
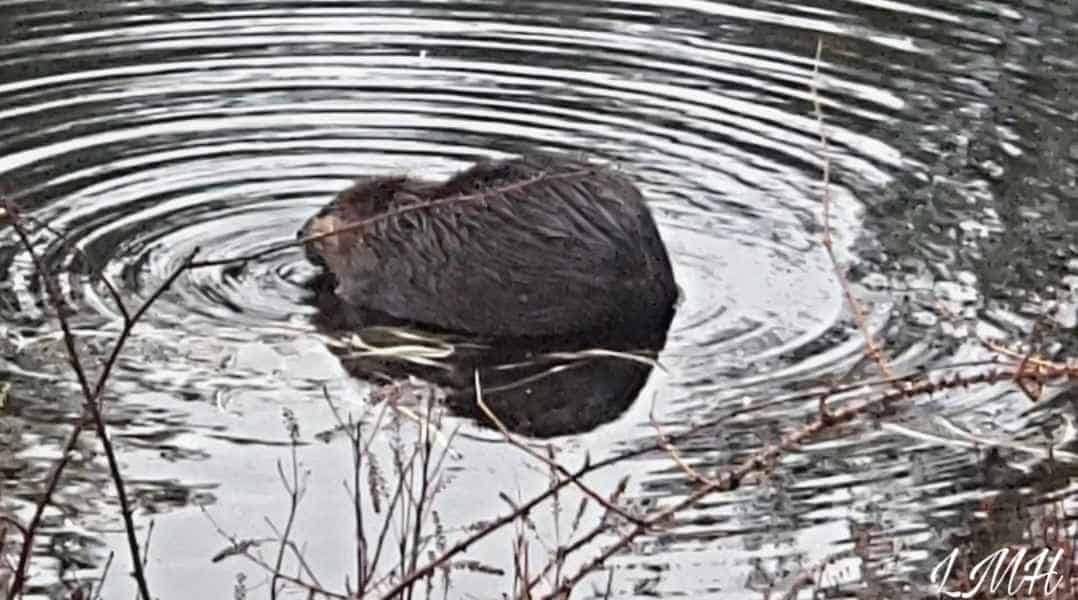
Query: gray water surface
{"x": 139, "y": 130}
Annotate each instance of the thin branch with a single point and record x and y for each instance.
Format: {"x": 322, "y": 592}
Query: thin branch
{"x": 363, "y": 223}
{"x": 355, "y": 438}
{"x": 873, "y": 349}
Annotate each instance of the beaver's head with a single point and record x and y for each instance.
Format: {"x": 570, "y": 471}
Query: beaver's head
{"x": 321, "y": 228}
{"x": 365, "y": 200}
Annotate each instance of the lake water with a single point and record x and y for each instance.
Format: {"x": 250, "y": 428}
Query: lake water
{"x": 139, "y": 130}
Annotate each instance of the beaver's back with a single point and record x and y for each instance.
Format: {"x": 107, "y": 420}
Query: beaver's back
{"x": 537, "y": 246}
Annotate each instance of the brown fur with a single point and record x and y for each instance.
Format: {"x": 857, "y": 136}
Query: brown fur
{"x": 536, "y": 246}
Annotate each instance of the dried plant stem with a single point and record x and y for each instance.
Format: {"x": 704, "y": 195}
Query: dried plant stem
{"x": 911, "y": 387}
{"x": 293, "y": 488}
{"x": 395, "y": 501}
{"x": 424, "y": 485}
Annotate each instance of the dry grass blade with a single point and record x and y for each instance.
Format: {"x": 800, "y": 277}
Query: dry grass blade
{"x": 589, "y": 353}
{"x": 426, "y": 355}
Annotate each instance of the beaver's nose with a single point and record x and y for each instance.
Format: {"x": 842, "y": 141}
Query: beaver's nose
{"x": 299, "y": 235}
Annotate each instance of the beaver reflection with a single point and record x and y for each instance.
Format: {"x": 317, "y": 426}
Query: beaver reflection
{"x": 531, "y": 256}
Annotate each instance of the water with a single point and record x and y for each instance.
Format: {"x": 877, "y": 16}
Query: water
{"x": 140, "y": 130}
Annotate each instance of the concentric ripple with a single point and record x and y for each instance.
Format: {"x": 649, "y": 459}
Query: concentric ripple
{"x": 226, "y": 148}
{"x": 134, "y": 133}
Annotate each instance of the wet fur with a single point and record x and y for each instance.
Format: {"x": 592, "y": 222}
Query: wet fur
{"x": 537, "y": 246}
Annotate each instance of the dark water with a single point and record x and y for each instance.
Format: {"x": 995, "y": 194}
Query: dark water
{"x": 139, "y": 130}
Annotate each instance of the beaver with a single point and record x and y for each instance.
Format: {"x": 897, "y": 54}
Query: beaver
{"x": 534, "y": 247}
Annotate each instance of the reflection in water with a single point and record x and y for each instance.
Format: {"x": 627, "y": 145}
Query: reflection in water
{"x": 140, "y": 130}
{"x": 536, "y": 387}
